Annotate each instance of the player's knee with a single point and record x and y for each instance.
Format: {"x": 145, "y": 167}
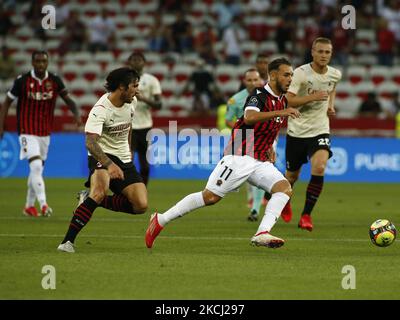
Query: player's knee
{"x": 140, "y": 206}
{"x": 319, "y": 169}
{"x": 210, "y": 198}
{"x": 98, "y": 194}
{"x": 283, "y": 186}
{"x": 36, "y": 166}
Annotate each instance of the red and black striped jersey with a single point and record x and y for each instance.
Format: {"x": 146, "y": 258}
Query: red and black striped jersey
{"x": 255, "y": 140}
{"x": 36, "y": 102}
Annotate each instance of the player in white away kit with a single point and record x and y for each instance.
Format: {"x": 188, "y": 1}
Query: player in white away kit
{"x": 108, "y": 130}
{"x": 313, "y": 89}
{"x": 149, "y": 97}
{"x": 247, "y": 158}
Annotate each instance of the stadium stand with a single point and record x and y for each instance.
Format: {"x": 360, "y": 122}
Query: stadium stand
{"x": 84, "y": 72}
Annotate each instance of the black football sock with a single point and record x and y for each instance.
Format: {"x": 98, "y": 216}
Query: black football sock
{"x": 267, "y": 195}
{"x": 314, "y": 189}
{"x": 81, "y": 217}
{"x": 117, "y": 202}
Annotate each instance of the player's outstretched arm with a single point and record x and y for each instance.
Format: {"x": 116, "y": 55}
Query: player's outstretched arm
{"x": 251, "y": 116}
{"x": 295, "y": 101}
{"x": 73, "y": 107}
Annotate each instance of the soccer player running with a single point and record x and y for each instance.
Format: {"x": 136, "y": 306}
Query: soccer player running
{"x": 108, "y": 131}
{"x": 235, "y": 110}
{"x": 149, "y": 97}
{"x": 313, "y": 91}
{"x": 37, "y": 92}
{"x": 246, "y": 159}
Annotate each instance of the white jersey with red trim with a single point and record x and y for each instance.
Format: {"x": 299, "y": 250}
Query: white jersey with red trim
{"x": 112, "y": 124}
{"x": 314, "y": 119}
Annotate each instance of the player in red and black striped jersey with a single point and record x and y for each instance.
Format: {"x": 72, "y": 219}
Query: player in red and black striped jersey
{"x": 257, "y": 139}
{"x": 37, "y": 92}
{"x": 247, "y": 159}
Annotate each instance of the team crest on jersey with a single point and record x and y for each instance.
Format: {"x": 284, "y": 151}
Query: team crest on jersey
{"x": 219, "y": 182}
{"x": 48, "y": 85}
{"x": 253, "y": 102}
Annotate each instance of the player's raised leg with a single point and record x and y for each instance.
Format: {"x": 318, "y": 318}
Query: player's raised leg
{"x": 189, "y": 203}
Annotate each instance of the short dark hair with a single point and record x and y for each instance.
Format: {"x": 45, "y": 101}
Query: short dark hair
{"x": 36, "y": 52}
{"x": 275, "y": 64}
{"x": 121, "y": 76}
{"x": 137, "y": 54}
{"x": 261, "y": 56}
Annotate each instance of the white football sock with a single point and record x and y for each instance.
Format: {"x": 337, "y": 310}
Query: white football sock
{"x": 249, "y": 190}
{"x": 37, "y": 181}
{"x": 31, "y": 195}
{"x": 273, "y": 211}
{"x": 191, "y": 202}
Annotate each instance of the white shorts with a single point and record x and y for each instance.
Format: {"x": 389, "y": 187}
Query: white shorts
{"x": 232, "y": 171}
{"x": 32, "y": 146}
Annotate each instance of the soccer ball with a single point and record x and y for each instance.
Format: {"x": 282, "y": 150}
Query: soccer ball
{"x": 382, "y": 233}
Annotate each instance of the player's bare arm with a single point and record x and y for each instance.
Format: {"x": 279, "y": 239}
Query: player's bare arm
{"x": 95, "y": 150}
{"x": 295, "y": 101}
{"x": 331, "y": 104}
{"x": 72, "y": 106}
{"x": 3, "y": 113}
{"x": 251, "y": 116}
{"x": 154, "y": 103}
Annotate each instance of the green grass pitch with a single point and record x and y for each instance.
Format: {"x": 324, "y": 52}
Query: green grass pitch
{"x": 206, "y": 254}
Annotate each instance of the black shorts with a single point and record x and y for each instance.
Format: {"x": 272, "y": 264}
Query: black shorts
{"x": 299, "y": 150}
{"x": 131, "y": 175}
{"x": 139, "y": 143}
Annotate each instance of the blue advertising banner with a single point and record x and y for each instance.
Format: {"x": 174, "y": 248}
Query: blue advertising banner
{"x": 188, "y": 156}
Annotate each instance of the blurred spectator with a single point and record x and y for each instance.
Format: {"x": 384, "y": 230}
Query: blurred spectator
{"x": 173, "y": 5}
{"x": 224, "y": 12}
{"x": 311, "y": 32}
{"x": 327, "y": 22}
{"x": 391, "y": 106}
{"x": 101, "y": 33}
{"x": 62, "y": 12}
{"x": 181, "y": 37}
{"x": 342, "y": 41}
{"x": 7, "y": 64}
{"x": 233, "y": 36}
{"x": 282, "y": 35}
{"x": 204, "y": 44}
{"x": 75, "y": 35}
{"x": 6, "y": 24}
{"x": 158, "y": 35}
{"x": 390, "y": 10}
{"x": 370, "y": 107}
{"x": 290, "y": 18}
{"x": 203, "y": 84}
{"x": 386, "y": 43}
{"x": 34, "y": 18}
{"x": 258, "y": 7}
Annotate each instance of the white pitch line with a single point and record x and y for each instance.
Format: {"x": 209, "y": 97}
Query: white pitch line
{"x": 135, "y": 218}
{"x": 20, "y": 235}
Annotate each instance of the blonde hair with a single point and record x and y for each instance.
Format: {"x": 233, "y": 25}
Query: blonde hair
{"x": 321, "y": 40}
